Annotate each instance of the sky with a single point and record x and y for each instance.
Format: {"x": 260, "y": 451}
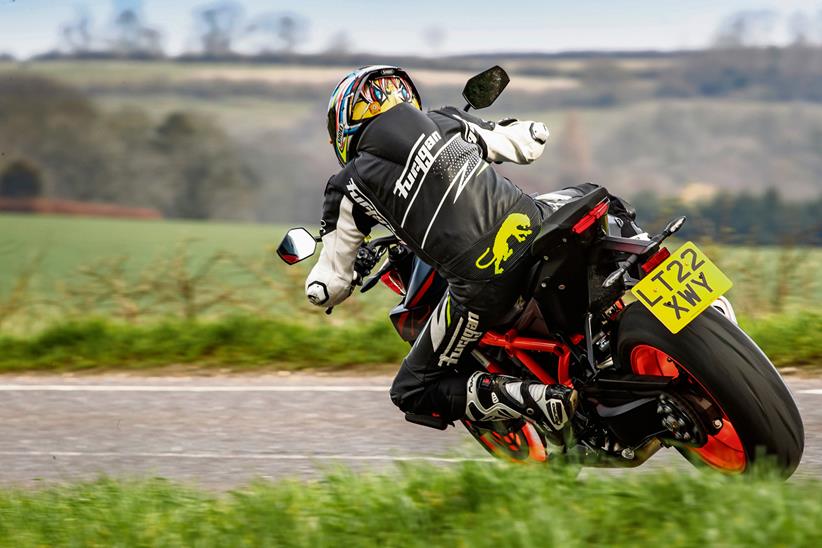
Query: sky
{"x": 31, "y": 26}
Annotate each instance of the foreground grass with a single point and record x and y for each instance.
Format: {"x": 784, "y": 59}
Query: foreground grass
{"x": 236, "y": 342}
{"x": 472, "y": 504}
{"x": 249, "y": 341}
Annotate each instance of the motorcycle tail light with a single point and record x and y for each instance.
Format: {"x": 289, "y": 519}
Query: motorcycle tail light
{"x": 655, "y": 260}
{"x": 393, "y": 281}
{"x": 591, "y": 217}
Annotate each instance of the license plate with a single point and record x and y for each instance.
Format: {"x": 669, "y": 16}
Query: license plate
{"x": 682, "y": 287}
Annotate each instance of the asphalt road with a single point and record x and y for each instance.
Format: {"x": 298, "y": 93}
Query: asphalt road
{"x": 219, "y": 432}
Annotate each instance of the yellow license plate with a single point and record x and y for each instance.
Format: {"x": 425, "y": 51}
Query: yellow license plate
{"x": 682, "y": 287}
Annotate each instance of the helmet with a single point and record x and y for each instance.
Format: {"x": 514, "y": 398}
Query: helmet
{"x": 363, "y": 95}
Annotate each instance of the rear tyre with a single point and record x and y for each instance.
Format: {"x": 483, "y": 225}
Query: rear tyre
{"x": 514, "y": 440}
{"x": 760, "y": 417}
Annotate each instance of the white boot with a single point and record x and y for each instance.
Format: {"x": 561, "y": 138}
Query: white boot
{"x": 498, "y": 397}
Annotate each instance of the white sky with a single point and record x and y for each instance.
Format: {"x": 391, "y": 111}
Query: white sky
{"x": 31, "y": 26}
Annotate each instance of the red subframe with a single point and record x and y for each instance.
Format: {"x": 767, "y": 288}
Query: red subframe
{"x": 519, "y": 348}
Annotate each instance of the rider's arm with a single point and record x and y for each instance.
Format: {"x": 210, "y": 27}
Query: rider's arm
{"x": 506, "y": 141}
{"x": 344, "y": 228}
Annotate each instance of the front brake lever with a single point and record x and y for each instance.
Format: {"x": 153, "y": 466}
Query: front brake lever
{"x": 372, "y": 281}
{"x": 395, "y": 257}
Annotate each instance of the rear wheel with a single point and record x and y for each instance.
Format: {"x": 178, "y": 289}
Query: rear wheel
{"x": 516, "y": 441}
{"x": 719, "y": 361}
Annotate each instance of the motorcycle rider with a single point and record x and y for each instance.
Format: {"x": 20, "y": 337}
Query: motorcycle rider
{"x": 427, "y": 177}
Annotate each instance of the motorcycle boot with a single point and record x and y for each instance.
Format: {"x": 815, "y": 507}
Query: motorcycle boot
{"x": 499, "y": 397}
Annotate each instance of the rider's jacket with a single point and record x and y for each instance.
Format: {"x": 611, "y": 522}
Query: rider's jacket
{"x": 427, "y": 177}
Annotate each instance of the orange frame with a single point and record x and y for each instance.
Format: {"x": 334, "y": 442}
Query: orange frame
{"x": 521, "y": 347}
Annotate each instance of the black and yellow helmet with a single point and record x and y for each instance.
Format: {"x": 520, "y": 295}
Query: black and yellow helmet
{"x": 363, "y": 95}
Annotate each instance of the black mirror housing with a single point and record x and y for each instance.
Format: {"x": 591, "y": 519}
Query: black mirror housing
{"x": 483, "y": 89}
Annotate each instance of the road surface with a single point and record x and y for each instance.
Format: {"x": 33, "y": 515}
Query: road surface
{"x": 220, "y": 432}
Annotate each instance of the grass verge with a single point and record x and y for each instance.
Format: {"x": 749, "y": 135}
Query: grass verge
{"x": 249, "y": 341}
{"x": 789, "y": 339}
{"x": 236, "y": 342}
{"x": 471, "y": 504}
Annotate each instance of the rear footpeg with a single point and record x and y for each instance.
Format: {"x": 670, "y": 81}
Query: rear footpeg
{"x": 428, "y": 420}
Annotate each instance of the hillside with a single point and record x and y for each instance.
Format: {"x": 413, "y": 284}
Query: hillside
{"x": 631, "y": 124}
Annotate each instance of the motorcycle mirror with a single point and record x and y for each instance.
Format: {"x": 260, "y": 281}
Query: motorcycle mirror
{"x": 675, "y": 225}
{"x": 483, "y": 89}
{"x": 297, "y": 246}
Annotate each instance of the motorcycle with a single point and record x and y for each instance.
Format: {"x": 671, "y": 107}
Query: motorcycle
{"x": 636, "y": 329}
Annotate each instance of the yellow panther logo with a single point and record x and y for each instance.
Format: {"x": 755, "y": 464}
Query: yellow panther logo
{"x": 516, "y": 225}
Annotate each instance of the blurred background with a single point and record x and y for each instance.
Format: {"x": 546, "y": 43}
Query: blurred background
{"x": 117, "y": 110}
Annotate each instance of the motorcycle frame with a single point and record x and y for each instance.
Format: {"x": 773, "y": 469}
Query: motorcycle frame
{"x": 520, "y": 349}
{"x": 576, "y": 367}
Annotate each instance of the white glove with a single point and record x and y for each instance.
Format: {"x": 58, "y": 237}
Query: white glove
{"x": 539, "y": 132}
{"x": 317, "y": 293}
{"x": 514, "y": 141}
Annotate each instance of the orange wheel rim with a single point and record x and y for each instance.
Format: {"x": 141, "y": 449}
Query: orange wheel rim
{"x": 723, "y": 450}
{"x": 511, "y": 446}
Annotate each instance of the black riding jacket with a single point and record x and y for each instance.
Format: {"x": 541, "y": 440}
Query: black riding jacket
{"x": 427, "y": 177}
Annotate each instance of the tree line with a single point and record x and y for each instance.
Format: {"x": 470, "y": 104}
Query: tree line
{"x": 221, "y": 28}
{"x": 57, "y": 143}
{"x": 744, "y": 219}
{"x": 218, "y": 27}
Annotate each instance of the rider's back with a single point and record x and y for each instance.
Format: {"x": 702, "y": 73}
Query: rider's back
{"x": 425, "y": 175}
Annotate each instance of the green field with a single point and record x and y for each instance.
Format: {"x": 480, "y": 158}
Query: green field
{"x": 75, "y": 268}
{"x": 85, "y": 293}
{"x": 471, "y": 504}
{"x": 61, "y": 246}
{"x": 68, "y": 243}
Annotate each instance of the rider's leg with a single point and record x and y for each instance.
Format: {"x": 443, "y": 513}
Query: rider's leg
{"x": 428, "y": 382}
{"x": 436, "y": 377}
